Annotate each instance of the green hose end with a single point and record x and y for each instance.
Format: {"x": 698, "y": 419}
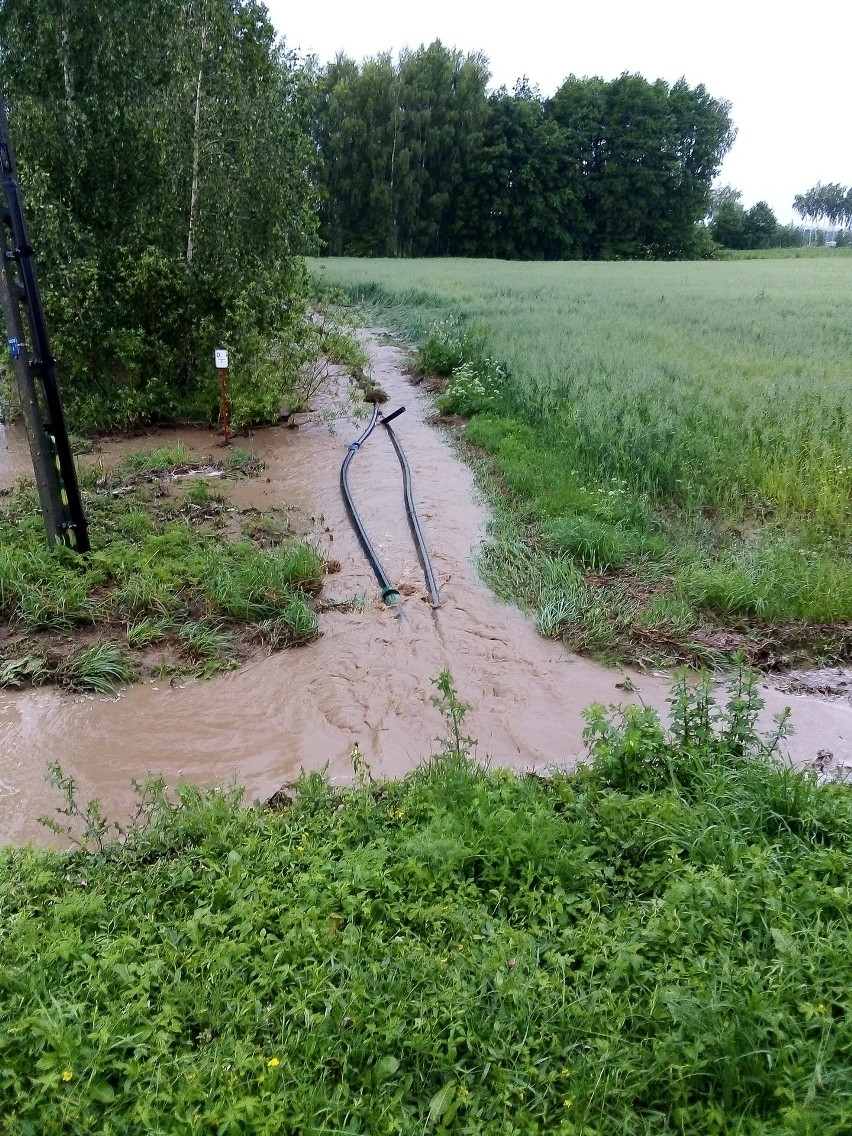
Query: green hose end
{"x": 390, "y": 596}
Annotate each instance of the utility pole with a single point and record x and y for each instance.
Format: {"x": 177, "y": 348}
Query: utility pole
{"x": 34, "y": 365}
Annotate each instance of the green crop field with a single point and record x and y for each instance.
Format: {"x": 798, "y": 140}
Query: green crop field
{"x": 675, "y": 438}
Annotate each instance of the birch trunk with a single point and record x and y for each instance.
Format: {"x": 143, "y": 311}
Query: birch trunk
{"x": 196, "y": 149}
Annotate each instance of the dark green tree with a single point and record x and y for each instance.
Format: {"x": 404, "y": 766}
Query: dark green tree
{"x": 728, "y": 227}
{"x": 647, "y": 155}
{"x": 416, "y": 160}
{"x": 761, "y": 226}
{"x": 395, "y": 143}
{"x": 522, "y": 201}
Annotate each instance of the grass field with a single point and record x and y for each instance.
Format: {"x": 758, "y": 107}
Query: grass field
{"x": 656, "y": 945}
{"x": 679, "y": 436}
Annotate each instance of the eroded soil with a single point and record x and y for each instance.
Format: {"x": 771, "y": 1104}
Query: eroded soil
{"x": 369, "y": 678}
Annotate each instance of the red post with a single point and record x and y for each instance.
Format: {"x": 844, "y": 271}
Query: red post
{"x": 223, "y": 383}
{"x": 220, "y": 358}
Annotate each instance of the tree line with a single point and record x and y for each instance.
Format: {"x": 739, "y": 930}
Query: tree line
{"x": 416, "y": 158}
{"x": 733, "y": 226}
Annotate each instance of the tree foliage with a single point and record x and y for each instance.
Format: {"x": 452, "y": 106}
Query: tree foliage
{"x": 734, "y": 227}
{"x": 163, "y": 160}
{"x": 417, "y": 159}
{"x": 394, "y": 148}
{"x": 831, "y": 202}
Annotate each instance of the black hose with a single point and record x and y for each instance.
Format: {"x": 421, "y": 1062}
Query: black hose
{"x": 390, "y": 594}
{"x": 413, "y": 519}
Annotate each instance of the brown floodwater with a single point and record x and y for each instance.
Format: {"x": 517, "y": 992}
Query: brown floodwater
{"x": 369, "y": 678}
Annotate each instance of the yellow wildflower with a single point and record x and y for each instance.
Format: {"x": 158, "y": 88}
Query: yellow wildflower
{"x": 67, "y": 1074}
{"x": 273, "y": 1063}
{"x": 567, "y": 1102}
{"x": 821, "y": 1008}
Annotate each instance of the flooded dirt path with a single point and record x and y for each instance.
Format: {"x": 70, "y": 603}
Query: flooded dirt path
{"x": 369, "y": 678}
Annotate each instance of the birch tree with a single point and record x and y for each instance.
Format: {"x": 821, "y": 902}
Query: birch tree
{"x": 165, "y": 162}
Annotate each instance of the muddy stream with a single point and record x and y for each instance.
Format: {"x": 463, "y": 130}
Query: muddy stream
{"x": 368, "y": 679}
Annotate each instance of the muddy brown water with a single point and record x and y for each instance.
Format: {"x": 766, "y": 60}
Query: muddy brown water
{"x": 368, "y": 679}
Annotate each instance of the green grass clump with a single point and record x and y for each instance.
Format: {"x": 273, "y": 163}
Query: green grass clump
{"x": 146, "y": 631}
{"x": 658, "y": 944}
{"x": 160, "y": 460}
{"x": 204, "y": 640}
{"x": 249, "y": 584}
{"x": 101, "y": 668}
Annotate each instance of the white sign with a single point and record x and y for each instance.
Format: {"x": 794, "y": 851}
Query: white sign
{"x": 221, "y": 358}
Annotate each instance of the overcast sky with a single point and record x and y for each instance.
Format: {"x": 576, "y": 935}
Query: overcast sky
{"x": 788, "y": 82}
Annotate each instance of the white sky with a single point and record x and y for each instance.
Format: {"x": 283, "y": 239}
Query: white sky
{"x": 785, "y": 75}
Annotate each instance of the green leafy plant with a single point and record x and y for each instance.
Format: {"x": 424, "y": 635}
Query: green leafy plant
{"x": 204, "y": 640}
{"x": 453, "y": 711}
{"x": 100, "y": 668}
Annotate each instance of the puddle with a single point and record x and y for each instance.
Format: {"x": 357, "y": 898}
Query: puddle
{"x": 369, "y": 678}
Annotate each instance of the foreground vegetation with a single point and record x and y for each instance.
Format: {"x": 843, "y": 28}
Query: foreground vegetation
{"x": 176, "y": 584}
{"x": 674, "y": 442}
{"x": 659, "y": 943}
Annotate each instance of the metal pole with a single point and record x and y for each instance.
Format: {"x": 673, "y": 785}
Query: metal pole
{"x": 41, "y": 449}
{"x": 53, "y": 462}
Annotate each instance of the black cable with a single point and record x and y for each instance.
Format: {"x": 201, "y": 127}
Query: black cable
{"x": 413, "y": 519}
{"x": 390, "y": 594}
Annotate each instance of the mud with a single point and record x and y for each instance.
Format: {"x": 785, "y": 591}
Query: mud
{"x": 368, "y": 680}
{"x": 831, "y": 683}
{"x": 14, "y": 455}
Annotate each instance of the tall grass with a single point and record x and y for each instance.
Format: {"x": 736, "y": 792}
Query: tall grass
{"x": 706, "y": 382}
{"x": 692, "y": 416}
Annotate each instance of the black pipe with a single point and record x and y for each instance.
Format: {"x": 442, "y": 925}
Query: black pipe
{"x": 413, "y": 519}
{"x": 390, "y": 594}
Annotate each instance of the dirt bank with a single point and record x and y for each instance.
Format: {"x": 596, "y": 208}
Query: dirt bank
{"x": 369, "y": 678}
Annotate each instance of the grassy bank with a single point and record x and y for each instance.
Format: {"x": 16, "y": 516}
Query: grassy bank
{"x": 675, "y": 441}
{"x": 659, "y": 943}
{"x": 178, "y": 583}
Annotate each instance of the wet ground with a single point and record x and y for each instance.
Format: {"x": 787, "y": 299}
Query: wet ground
{"x": 368, "y": 680}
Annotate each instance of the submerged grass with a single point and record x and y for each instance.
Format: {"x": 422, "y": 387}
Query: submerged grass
{"x": 687, "y": 427}
{"x": 160, "y": 577}
{"x": 100, "y": 668}
{"x": 658, "y": 944}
